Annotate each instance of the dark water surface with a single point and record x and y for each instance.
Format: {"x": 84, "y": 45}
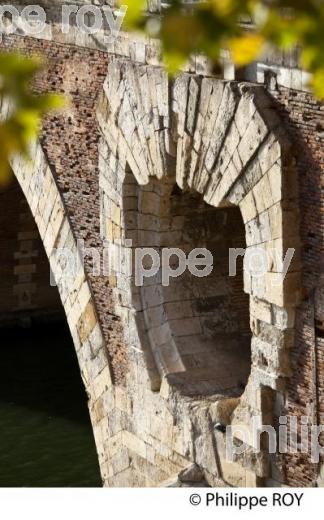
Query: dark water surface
{"x": 45, "y": 432}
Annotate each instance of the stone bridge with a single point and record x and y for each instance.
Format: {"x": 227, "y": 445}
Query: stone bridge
{"x": 137, "y": 160}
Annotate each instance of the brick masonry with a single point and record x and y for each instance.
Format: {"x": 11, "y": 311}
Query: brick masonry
{"x": 304, "y": 119}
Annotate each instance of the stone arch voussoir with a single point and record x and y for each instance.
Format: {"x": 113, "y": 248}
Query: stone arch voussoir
{"x": 45, "y": 202}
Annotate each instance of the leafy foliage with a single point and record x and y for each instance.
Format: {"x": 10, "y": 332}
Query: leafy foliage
{"x": 25, "y": 109}
{"x": 217, "y": 24}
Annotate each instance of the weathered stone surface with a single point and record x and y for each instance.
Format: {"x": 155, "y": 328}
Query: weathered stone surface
{"x": 191, "y": 474}
{"x": 148, "y": 356}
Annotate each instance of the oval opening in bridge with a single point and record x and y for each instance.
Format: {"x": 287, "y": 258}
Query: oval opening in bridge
{"x": 198, "y": 327}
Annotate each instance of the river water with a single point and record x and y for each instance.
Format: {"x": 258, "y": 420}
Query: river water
{"x": 46, "y": 438}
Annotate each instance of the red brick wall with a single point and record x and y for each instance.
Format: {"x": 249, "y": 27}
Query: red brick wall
{"x": 70, "y": 140}
{"x": 304, "y": 118}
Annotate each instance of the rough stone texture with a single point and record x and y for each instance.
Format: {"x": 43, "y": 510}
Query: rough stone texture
{"x": 227, "y": 145}
{"x": 141, "y": 156}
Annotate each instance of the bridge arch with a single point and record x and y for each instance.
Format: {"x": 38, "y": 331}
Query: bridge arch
{"x": 45, "y": 202}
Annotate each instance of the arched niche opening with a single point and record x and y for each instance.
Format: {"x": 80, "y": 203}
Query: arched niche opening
{"x": 46, "y": 434}
{"x": 197, "y": 328}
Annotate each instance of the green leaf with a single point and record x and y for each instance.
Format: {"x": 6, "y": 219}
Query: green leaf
{"x": 23, "y": 123}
